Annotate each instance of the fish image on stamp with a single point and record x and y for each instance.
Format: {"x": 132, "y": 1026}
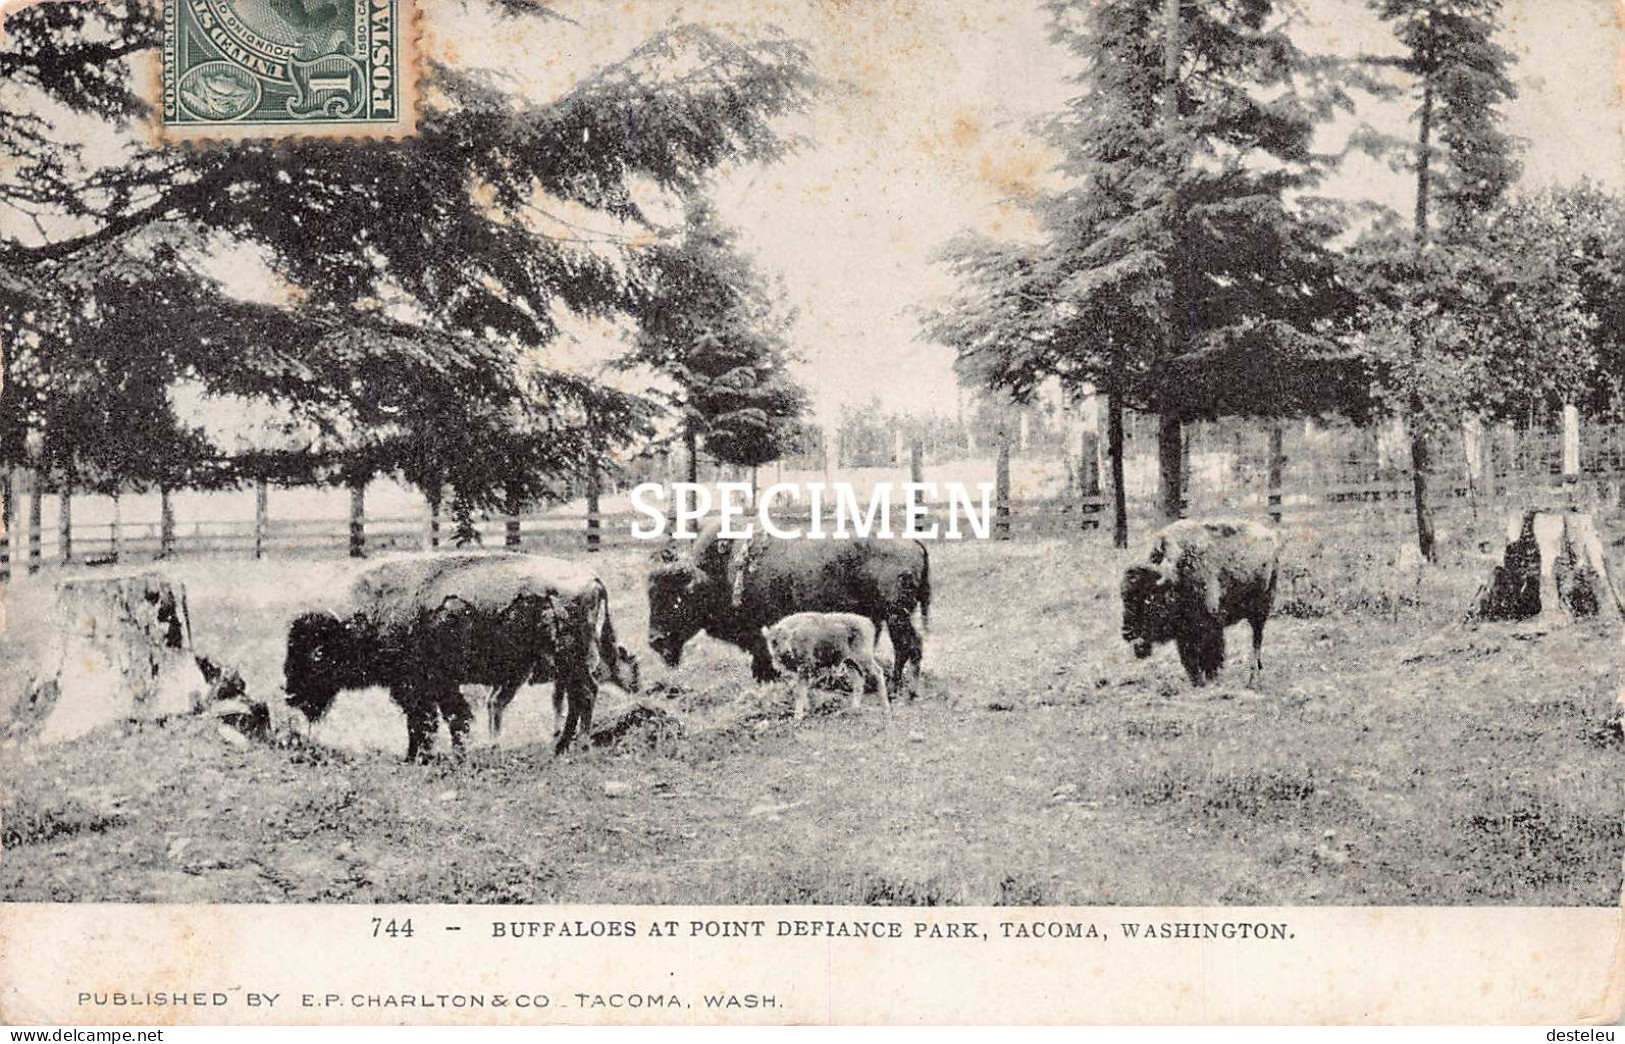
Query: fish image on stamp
{"x": 270, "y": 68}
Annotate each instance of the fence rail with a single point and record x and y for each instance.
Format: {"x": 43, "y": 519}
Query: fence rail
{"x": 1012, "y": 517}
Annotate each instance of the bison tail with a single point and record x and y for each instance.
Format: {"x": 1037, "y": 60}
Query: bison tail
{"x": 607, "y": 642}
{"x": 925, "y": 587}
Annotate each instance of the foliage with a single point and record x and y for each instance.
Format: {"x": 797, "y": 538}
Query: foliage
{"x": 709, "y": 320}
{"x": 1173, "y": 256}
{"x": 420, "y": 278}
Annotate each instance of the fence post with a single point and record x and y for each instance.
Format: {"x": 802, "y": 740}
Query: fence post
{"x": 1001, "y": 487}
{"x": 64, "y": 523}
{"x": 1571, "y": 441}
{"x": 1089, "y": 470}
{"x": 166, "y": 523}
{"x": 36, "y": 512}
{"x": 1277, "y": 467}
{"x": 358, "y": 518}
{"x": 916, "y": 462}
{"x": 262, "y": 515}
{"x": 8, "y": 521}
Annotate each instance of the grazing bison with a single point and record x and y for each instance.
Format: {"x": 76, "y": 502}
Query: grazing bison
{"x": 1200, "y": 578}
{"x": 810, "y": 644}
{"x": 732, "y": 588}
{"x": 425, "y": 625}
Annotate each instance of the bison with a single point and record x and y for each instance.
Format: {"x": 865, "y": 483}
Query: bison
{"x": 811, "y": 644}
{"x": 1200, "y": 578}
{"x": 731, "y": 588}
{"x": 423, "y": 626}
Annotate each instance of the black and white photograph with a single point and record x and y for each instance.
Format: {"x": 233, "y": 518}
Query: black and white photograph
{"x": 814, "y": 453}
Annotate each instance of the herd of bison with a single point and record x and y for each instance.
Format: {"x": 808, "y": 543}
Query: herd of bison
{"x": 423, "y": 626}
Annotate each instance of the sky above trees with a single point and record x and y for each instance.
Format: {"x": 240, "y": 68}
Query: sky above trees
{"x": 930, "y": 136}
{"x": 928, "y": 133}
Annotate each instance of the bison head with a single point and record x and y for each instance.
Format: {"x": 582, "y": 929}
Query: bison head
{"x": 320, "y": 662}
{"x": 676, "y": 600}
{"x": 624, "y": 670}
{"x": 1148, "y": 608}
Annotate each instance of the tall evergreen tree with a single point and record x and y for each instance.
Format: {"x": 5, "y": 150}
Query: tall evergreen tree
{"x": 1427, "y": 291}
{"x": 712, "y": 323}
{"x": 1183, "y": 270}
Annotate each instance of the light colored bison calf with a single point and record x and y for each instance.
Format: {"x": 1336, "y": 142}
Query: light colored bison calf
{"x": 1199, "y": 578}
{"x": 807, "y": 645}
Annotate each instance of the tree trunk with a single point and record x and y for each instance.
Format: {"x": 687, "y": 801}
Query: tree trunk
{"x": 1424, "y": 163}
{"x": 594, "y": 523}
{"x": 511, "y": 534}
{"x": 166, "y": 523}
{"x": 64, "y": 523}
{"x": 36, "y": 515}
{"x": 121, "y": 650}
{"x": 436, "y": 498}
{"x": 916, "y": 462}
{"x": 1421, "y": 451}
{"x": 1553, "y": 561}
{"x": 1114, "y": 454}
{"x": 358, "y": 518}
{"x": 262, "y": 515}
{"x": 1421, "y": 472}
{"x": 1277, "y": 468}
{"x": 691, "y": 444}
{"x": 1001, "y": 487}
{"x": 1170, "y": 455}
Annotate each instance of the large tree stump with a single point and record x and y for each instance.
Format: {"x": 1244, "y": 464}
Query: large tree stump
{"x": 122, "y": 650}
{"x": 1553, "y": 562}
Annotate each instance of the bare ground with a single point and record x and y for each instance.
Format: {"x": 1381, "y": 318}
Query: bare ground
{"x": 1390, "y": 756}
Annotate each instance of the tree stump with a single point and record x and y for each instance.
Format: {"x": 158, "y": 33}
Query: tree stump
{"x": 1552, "y": 562}
{"x": 122, "y": 650}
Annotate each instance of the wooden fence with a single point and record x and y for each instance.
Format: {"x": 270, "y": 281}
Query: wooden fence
{"x": 1537, "y": 466}
{"x": 1012, "y": 518}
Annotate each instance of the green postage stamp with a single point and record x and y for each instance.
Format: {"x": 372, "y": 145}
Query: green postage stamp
{"x": 264, "y": 68}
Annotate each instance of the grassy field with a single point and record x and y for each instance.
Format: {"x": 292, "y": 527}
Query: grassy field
{"x": 1390, "y": 756}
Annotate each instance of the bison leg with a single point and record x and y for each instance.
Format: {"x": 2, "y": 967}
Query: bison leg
{"x": 498, "y": 706}
{"x": 459, "y": 716}
{"x": 1213, "y": 651}
{"x": 581, "y": 694}
{"x": 873, "y": 675}
{"x": 559, "y": 701}
{"x": 421, "y": 723}
{"x": 858, "y": 681}
{"x": 802, "y": 690}
{"x": 761, "y": 662}
{"x": 1190, "y": 656}
{"x": 907, "y": 651}
{"x": 1256, "y": 668}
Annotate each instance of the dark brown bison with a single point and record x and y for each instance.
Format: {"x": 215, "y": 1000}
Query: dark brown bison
{"x": 424, "y": 625}
{"x": 732, "y": 588}
{"x": 1200, "y": 578}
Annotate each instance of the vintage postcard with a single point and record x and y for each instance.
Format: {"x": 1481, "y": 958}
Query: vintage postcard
{"x": 812, "y": 511}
